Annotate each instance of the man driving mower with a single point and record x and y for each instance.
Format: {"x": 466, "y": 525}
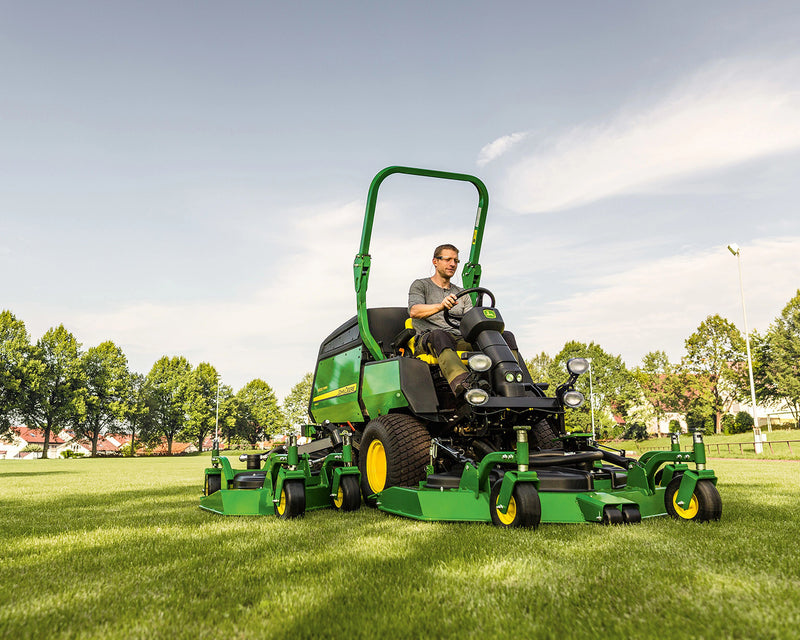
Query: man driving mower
{"x": 428, "y": 298}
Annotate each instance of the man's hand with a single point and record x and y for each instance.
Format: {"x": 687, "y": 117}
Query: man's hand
{"x": 449, "y": 302}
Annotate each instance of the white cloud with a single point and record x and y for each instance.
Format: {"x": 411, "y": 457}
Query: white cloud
{"x": 498, "y": 147}
{"x": 727, "y": 114}
{"x": 274, "y": 334}
{"x": 657, "y": 305}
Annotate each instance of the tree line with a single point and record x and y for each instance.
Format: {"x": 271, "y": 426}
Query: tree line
{"x": 53, "y": 384}
{"x": 701, "y": 387}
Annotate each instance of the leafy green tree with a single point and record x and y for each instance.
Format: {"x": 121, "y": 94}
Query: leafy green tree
{"x": 201, "y": 403}
{"x": 295, "y": 405}
{"x": 665, "y": 385}
{"x": 51, "y": 383}
{"x": 780, "y": 372}
{"x": 102, "y": 400}
{"x": 545, "y": 369}
{"x": 14, "y": 348}
{"x": 167, "y": 385}
{"x": 616, "y": 391}
{"x": 715, "y": 354}
{"x": 258, "y": 411}
{"x": 138, "y": 418}
{"x": 228, "y": 412}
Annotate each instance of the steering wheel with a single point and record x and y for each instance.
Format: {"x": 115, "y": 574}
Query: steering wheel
{"x": 478, "y": 302}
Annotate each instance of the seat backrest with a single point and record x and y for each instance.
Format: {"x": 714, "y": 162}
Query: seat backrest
{"x": 385, "y": 323}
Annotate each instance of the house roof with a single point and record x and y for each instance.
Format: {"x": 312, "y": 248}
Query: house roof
{"x": 103, "y": 444}
{"x": 36, "y": 436}
{"x": 177, "y": 448}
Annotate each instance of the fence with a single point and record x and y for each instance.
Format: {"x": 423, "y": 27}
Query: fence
{"x": 751, "y": 444}
{"x": 741, "y": 446}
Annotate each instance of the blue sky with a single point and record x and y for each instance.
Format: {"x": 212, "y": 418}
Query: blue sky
{"x": 190, "y": 177}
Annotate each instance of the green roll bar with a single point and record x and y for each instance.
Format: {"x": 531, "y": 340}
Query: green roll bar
{"x": 471, "y": 274}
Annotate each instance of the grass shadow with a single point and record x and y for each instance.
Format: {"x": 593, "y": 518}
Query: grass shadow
{"x": 27, "y": 474}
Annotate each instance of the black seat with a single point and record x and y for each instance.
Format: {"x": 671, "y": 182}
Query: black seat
{"x": 386, "y": 324}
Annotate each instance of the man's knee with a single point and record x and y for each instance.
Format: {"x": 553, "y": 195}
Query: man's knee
{"x": 438, "y": 340}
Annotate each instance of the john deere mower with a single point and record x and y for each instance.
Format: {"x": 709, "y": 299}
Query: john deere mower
{"x": 288, "y": 480}
{"x": 502, "y": 454}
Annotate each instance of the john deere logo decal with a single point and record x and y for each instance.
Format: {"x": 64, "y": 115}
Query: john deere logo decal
{"x": 342, "y": 391}
{"x": 490, "y": 313}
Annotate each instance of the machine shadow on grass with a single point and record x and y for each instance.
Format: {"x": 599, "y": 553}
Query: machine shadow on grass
{"x": 86, "y": 511}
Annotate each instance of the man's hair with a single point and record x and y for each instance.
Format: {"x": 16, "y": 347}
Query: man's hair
{"x": 438, "y": 250}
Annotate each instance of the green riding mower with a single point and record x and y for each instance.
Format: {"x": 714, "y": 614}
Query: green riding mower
{"x": 288, "y": 480}
{"x": 501, "y": 454}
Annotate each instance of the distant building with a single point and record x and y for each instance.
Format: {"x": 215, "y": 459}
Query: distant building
{"x": 23, "y": 437}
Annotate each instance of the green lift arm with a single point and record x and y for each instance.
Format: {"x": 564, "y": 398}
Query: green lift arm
{"x": 471, "y": 274}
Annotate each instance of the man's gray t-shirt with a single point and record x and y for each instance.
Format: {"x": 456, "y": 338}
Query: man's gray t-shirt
{"x": 426, "y": 291}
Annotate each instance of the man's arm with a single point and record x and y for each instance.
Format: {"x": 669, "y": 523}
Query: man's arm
{"x": 418, "y": 305}
{"x": 420, "y": 311}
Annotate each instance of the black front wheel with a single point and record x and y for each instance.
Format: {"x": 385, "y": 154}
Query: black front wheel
{"x": 704, "y": 505}
{"x": 524, "y": 506}
{"x": 292, "y": 502}
{"x": 213, "y": 483}
{"x": 348, "y": 498}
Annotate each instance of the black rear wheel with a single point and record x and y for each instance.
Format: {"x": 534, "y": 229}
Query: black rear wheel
{"x": 543, "y": 435}
{"x": 394, "y": 451}
{"x": 631, "y": 514}
{"x": 612, "y": 515}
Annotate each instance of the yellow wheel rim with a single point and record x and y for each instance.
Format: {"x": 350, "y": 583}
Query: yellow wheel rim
{"x": 338, "y": 501}
{"x": 508, "y": 518}
{"x": 376, "y": 466}
{"x": 689, "y": 512}
{"x": 282, "y": 503}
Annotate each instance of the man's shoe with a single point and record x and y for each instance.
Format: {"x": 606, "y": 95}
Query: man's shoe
{"x": 459, "y": 385}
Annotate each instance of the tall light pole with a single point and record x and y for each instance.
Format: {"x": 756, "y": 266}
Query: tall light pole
{"x": 734, "y": 249}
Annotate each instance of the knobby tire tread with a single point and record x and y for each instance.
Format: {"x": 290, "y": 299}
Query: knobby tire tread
{"x": 544, "y": 436}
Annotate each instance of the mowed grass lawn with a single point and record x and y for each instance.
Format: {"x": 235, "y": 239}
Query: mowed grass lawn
{"x": 119, "y": 549}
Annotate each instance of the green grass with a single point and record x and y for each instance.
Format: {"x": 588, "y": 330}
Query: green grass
{"x": 729, "y": 448}
{"x": 119, "y": 549}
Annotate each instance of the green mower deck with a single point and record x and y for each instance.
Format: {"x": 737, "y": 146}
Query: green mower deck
{"x": 659, "y": 483}
{"x": 289, "y": 484}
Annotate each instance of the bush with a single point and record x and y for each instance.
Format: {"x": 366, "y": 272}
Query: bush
{"x": 700, "y": 417}
{"x": 69, "y": 453}
{"x": 635, "y": 431}
{"x": 31, "y": 447}
{"x": 727, "y": 424}
{"x": 742, "y": 423}
{"x": 675, "y": 426}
